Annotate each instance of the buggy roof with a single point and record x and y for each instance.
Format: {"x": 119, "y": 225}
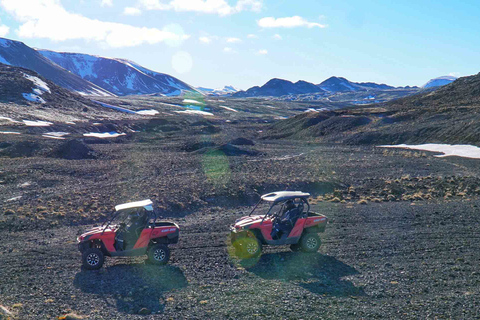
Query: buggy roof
{"x": 147, "y": 204}
{"x": 284, "y": 195}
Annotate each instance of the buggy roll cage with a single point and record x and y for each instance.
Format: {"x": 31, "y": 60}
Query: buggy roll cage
{"x": 302, "y": 199}
{"x": 145, "y": 204}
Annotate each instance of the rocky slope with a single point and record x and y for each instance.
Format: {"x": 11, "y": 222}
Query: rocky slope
{"x": 18, "y": 54}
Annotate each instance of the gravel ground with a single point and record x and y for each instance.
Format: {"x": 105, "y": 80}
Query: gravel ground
{"x": 380, "y": 260}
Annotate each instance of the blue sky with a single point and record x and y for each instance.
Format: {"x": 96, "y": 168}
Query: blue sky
{"x": 212, "y": 43}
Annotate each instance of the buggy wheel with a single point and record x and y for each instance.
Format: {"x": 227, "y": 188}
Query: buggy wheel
{"x": 248, "y": 248}
{"x": 92, "y": 258}
{"x": 295, "y": 247}
{"x": 310, "y": 242}
{"x": 158, "y": 254}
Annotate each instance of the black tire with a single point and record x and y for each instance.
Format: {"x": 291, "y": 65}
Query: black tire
{"x": 249, "y": 248}
{"x": 295, "y": 247}
{"x": 159, "y": 254}
{"x": 310, "y": 242}
{"x": 93, "y": 258}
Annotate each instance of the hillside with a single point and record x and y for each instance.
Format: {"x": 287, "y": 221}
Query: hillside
{"x": 447, "y": 115}
{"x": 119, "y": 76}
{"x": 18, "y": 54}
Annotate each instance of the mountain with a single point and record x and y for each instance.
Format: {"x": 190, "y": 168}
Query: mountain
{"x": 120, "y": 76}
{"x": 18, "y": 54}
{"x": 440, "y": 81}
{"x": 279, "y": 87}
{"x": 23, "y": 87}
{"x": 218, "y": 92}
{"x": 339, "y": 84}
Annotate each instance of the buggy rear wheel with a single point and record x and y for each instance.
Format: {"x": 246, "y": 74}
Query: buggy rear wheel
{"x": 159, "y": 254}
{"x": 92, "y": 258}
{"x": 310, "y": 242}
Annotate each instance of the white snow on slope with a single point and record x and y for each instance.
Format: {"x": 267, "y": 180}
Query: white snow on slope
{"x": 8, "y": 119}
{"x": 204, "y": 113}
{"x": 2, "y": 60}
{"x": 228, "y": 108}
{"x": 37, "y": 123}
{"x": 193, "y": 101}
{"x": 33, "y": 97}
{"x": 447, "y": 150}
{"x": 9, "y": 132}
{"x": 150, "y": 112}
{"x": 39, "y": 83}
{"x": 112, "y": 134}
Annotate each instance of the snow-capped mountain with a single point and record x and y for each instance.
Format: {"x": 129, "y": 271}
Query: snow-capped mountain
{"x": 226, "y": 90}
{"x": 120, "y": 76}
{"x": 279, "y": 87}
{"x": 18, "y": 54}
{"x": 440, "y": 81}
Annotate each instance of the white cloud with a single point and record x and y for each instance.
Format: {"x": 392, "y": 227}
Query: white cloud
{"x": 229, "y": 50}
{"x": 205, "y": 40}
{"x": 454, "y": 74}
{"x": 287, "y": 22}
{"x": 49, "y": 19}
{"x": 220, "y": 7}
{"x": 277, "y": 37}
{"x": 252, "y": 36}
{"x": 263, "y": 51}
{"x": 4, "y": 30}
{"x": 131, "y": 11}
{"x": 234, "y": 40}
{"x": 106, "y": 3}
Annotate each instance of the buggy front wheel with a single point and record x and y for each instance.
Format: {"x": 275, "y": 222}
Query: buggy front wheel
{"x": 92, "y": 258}
{"x": 159, "y": 254}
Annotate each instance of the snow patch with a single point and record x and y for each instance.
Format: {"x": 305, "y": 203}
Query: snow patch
{"x": 37, "y": 123}
{"x": 33, "y": 97}
{"x": 192, "y": 101}
{"x": 2, "y": 60}
{"x": 102, "y": 135}
{"x": 70, "y": 122}
{"x": 228, "y": 108}
{"x": 447, "y": 150}
{"x": 150, "y": 112}
{"x": 14, "y": 199}
{"x": 196, "y": 112}
{"x": 9, "y": 132}
{"x": 39, "y": 83}
{"x": 8, "y": 119}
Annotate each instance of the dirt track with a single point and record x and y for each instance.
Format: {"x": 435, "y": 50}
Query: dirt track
{"x": 385, "y": 260}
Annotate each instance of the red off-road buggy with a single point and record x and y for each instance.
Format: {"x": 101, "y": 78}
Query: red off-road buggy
{"x": 132, "y": 230}
{"x": 288, "y": 221}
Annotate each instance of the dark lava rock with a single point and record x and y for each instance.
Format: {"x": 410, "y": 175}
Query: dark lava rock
{"x": 144, "y": 311}
{"x": 230, "y": 150}
{"x": 190, "y": 147}
{"x": 74, "y": 150}
{"x": 19, "y": 149}
{"x": 242, "y": 142}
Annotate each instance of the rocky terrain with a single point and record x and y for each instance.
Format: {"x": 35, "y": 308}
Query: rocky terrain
{"x": 401, "y": 239}
{"x": 410, "y": 256}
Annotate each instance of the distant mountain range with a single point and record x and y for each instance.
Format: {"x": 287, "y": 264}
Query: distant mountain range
{"x": 333, "y": 85}
{"x": 120, "y": 76}
{"x": 17, "y": 54}
{"x": 218, "y": 92}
